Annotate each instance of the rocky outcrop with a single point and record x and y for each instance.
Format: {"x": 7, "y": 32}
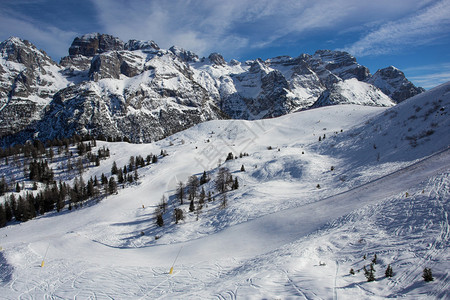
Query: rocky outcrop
{"x": 217, "y": 59}
{"x": 133, "y": 45}
{"x": 393, "y": 83}
{"x": 184, "y": 55}
{"x": 95, "y": 43}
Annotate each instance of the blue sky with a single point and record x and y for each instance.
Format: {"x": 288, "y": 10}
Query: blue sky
{"x": 412, "y": 35}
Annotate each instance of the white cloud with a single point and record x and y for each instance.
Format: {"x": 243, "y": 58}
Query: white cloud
{"x": 429, "y": 76}
{"x": 429, "y": 81}
{"x": 233, "y": 25}
{"x": 47, "y": 37}
{"x": 426, "y": 26}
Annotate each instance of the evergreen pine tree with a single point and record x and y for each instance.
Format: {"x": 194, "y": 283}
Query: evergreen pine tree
{"x": 352, "y": 272}
{"x": 203, "y": 178}
{"x": 3, "y": 186}
{"x": 427, "y": 275}
{"x": 242, "y": 168}
{"x": 235, "y": 184}
{"x": 224, "y": 200}
{"x": 104, "y": 179}
{"x": 114, "y": 168}
{"x": 370, "y": 274}
{"x": 8, "y": 211}
{"x": 90, "y": 188}
{"x": 112, "y": 185}
{"x": 2, "y": 216}
{"x": 131, "y": 164}
{"x": 388, "y": 272}
{"x": 159, "y": 220}
{"x": 120, "y": 178}
{"x": 191, "y": 205}
{"x": 229, "y": 156}
{"x": 201, "y": 197}
{"x": 17, "y": 188}
{"x": 13, "y": 202}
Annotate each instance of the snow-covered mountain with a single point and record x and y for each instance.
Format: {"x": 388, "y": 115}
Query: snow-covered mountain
{"x": 136, "y": 90}
{"x": 393, "y": 83}
{"x": 324, "y": 192}
{"x": 352, "y": 91}
{"x": 29, "y": 79}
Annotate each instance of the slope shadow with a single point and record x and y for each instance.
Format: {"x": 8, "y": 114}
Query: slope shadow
{"x": 6, "y": 270}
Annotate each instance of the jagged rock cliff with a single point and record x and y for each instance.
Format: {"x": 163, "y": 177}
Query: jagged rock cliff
{"x": 393, "y": 83}
{"x": 28, "y": 80}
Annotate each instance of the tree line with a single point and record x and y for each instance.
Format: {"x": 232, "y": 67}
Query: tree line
{"x": 57, "y": 196}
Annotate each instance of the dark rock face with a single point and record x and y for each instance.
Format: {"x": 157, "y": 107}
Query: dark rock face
{"x": 338, "y": 63}
{"x": 95, "y": 43}
{"x": 217, "y": 59}
{"x": 82, "y": 110}
{"x": 105, "y": 66}
{"x": 76, "y": 62}
{"x": 393, "y": 83}
{"x": 133, "y": 45}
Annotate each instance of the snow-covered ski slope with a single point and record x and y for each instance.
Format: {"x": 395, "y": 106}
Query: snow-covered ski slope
{"x": 280, "y": 236}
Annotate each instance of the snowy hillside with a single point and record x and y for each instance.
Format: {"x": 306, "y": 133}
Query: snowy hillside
{"x": 352, "y": 91}
{"x": 315, "y": 201}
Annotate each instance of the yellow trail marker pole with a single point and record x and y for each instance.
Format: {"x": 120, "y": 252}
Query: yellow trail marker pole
{"x": 45, "y": 255}
{"x": 171, "y": 268}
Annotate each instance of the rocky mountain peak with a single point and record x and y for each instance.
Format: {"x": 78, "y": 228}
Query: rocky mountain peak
{"x": 393, "y": 83}
{"x": 23, "y": 52}
{"x": 258, "y": 65}
{"x": 340, "y": 63}
{"x": 133, "y": 45}
{"x": 217, "y": 59}
{"x": 184, "y": 55}
{"x": 390, "y": 72}
{"x": 95, "y": 43}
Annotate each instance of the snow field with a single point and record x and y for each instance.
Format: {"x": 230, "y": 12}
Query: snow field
{"x": 274, "y": 233}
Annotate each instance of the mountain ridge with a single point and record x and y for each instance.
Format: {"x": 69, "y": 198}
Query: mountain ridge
{"x": 136, "y": 83}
